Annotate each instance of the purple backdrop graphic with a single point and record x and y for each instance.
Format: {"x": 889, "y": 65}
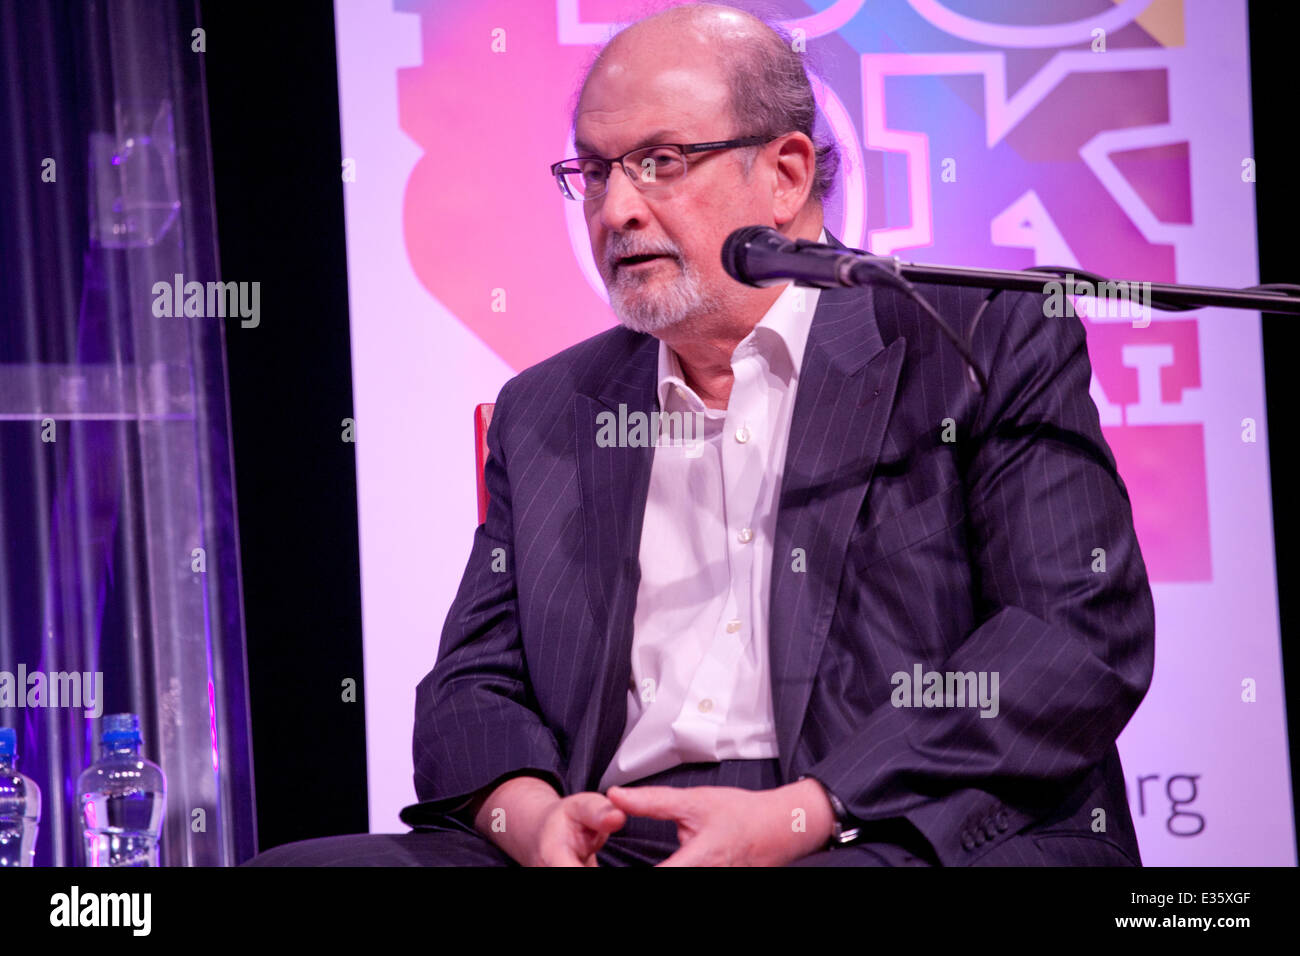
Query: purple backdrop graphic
{"x": 1108, "y": 135}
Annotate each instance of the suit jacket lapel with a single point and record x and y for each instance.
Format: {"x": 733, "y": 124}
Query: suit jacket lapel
{"x": 844, "y": 399}
{"x": 614, "y": 485}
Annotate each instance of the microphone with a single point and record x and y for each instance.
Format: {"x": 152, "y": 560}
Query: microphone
{"x": 761, "y": 256}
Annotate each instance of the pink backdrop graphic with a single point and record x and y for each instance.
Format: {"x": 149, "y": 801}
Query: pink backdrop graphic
{"x": 1105, "y": 135}
{"x": 1020, "y": 167}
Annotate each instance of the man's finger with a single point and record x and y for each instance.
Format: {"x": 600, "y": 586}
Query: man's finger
{"x": 595, "y": 811}
{"x": 658, "y": 803}
{"x": 562, "y": 856}
{"x": 592, "y": 841}
{"x": 693, "y": 853}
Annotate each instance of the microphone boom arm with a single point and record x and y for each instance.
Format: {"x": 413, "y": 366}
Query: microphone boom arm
{"x": 761, "y": 256}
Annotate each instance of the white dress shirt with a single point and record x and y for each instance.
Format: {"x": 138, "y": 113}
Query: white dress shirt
{"x": 701, "y": 688}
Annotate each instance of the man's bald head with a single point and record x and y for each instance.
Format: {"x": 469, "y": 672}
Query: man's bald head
{"x": 761, "y": 86}
{"x": 702, "y": 30}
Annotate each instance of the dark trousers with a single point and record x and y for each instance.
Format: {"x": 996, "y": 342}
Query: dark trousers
{"x": 641, "y": 842}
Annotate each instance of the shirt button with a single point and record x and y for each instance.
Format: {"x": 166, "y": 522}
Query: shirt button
{"x": 733, "y": 625}
{"x": 746, "y": 535}
{"x": 742, "y": 434}
{"x": 705, "y": 705}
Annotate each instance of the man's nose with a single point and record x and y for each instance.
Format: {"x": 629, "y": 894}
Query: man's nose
{"x": 623, "y": 204}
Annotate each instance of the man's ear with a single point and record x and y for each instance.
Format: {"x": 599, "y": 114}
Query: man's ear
{"x": 796, "y": 161}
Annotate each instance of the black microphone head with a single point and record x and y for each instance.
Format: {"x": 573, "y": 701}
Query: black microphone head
{"x": 736, "y": 246}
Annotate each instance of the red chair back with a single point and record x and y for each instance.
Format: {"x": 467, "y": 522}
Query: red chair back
{"x": 482, "y": 418}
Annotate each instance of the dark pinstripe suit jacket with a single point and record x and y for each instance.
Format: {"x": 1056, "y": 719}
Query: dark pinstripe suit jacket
{"x": 974, "y": 554}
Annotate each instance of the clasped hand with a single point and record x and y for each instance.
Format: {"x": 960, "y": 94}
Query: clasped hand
{"x": 716, "y": 826}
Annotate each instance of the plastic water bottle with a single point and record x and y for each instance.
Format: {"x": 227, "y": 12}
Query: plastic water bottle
{"x": 123, "y": 796}
{"x": 20, "y": 806}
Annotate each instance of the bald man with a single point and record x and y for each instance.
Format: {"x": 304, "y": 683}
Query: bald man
{"x": 724, "y": 649}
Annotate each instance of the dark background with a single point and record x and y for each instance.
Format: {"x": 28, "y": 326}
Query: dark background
{"x": 273, "y": 99}
{"x": 276, "y": 161}
{"x": 1277, "y": 211}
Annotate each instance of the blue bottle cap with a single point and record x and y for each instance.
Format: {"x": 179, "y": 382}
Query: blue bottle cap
{"x": 120, "y": 729}
{"x": 8, "y": 742}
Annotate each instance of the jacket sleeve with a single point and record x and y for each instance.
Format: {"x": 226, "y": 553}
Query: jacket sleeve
{"x": 1073, "y": 645}
{"x": 476, "y": 721}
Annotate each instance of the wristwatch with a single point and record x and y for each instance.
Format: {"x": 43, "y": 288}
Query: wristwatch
{"x": 843, "y": 828}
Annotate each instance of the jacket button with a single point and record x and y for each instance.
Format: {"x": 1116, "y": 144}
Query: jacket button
{"x": 1002, "y": 821}
{"x": 990, "y": 829}
{"x": 966, "y": 840}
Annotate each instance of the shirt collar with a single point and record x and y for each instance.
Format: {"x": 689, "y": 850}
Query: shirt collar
{"x": 782, "y": 322}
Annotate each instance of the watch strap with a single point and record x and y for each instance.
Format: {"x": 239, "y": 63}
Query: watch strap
{"x": 843, "y": 828}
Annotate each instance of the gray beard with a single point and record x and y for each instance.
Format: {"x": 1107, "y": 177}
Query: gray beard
{"x": 643, "y": 310}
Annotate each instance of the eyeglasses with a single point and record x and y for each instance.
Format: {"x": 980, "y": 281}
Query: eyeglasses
{"x": 586, "y": 177}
